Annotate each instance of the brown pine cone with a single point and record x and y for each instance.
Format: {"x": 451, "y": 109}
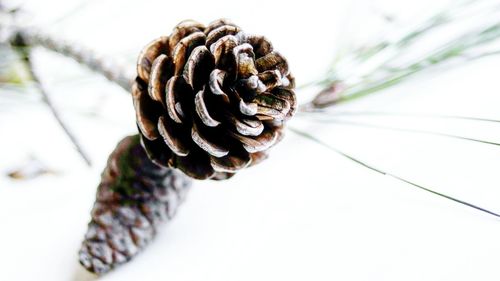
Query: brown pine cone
{"x": 211, "y": 100}
{"x": 134, "y": 196}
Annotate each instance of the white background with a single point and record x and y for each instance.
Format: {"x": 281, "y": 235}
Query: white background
{"x": 304, "y": 214}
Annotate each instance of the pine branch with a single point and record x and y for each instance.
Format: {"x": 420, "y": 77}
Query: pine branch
{"x": 31, "y": 37}
{"x": 105, "y": 66}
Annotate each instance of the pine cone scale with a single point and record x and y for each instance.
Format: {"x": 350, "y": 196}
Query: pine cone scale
{"x": 198, "y": 67}
{"x": 261, "y": 46}
{"x": 160, "y": 70}
{"x": 177, "y": 92}
{"x": 171, "y": 136}
{"x": 182, "y": 30}
{"x": 230, "y": 163}
{"x": 155, "y": 152}
{"x": 184, "y": 49}
{"x": 207, "y": 141}
{"x": 245, "y": 126}
{"x": 149, "y": 54}
{"x": 216, "y": 82}
{"x": 222, "y": 51}
{"x": 195, "y": 165}
{"x": 203, "y": 111}
{"x": 146, "y": 111}
{"x": 220, "y": 32}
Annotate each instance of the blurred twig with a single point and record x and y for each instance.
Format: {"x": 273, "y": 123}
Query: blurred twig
{"x": 26, "y": 56}
{"x": 104, "y": 65}
{"x": 13, "y": 30}
{"x": 30, "y": 169}
{"x": 23, "y": 39}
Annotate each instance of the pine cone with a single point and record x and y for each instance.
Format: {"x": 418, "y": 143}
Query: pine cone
{"x": 211, "y": 100}
{"x": 134, "y": 196}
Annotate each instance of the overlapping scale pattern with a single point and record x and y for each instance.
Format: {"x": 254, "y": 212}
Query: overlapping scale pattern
{"x": 134, "y": 198}
{"x": 211, "y": 100}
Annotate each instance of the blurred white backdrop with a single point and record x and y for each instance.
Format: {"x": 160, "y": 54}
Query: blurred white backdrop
{"x": 304, "y": 214}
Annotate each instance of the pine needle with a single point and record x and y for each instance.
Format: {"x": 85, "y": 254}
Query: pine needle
{"x": 319, "y": 112}
{"x": 385, "y": 173}
{"x": 368, "y": 125}
{"x": 386, "y": 63}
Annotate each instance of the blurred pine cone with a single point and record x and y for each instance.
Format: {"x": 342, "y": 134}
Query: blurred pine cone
{"x": 211, "y": 100}
{"x": 134, "y": 196}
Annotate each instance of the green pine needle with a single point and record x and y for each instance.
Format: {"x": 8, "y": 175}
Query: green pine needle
{"x": 391, "y": 69}
{"x": 368, "y": 125}
{"x": 373, "y": 168}
{"x": 320, "y": 113}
